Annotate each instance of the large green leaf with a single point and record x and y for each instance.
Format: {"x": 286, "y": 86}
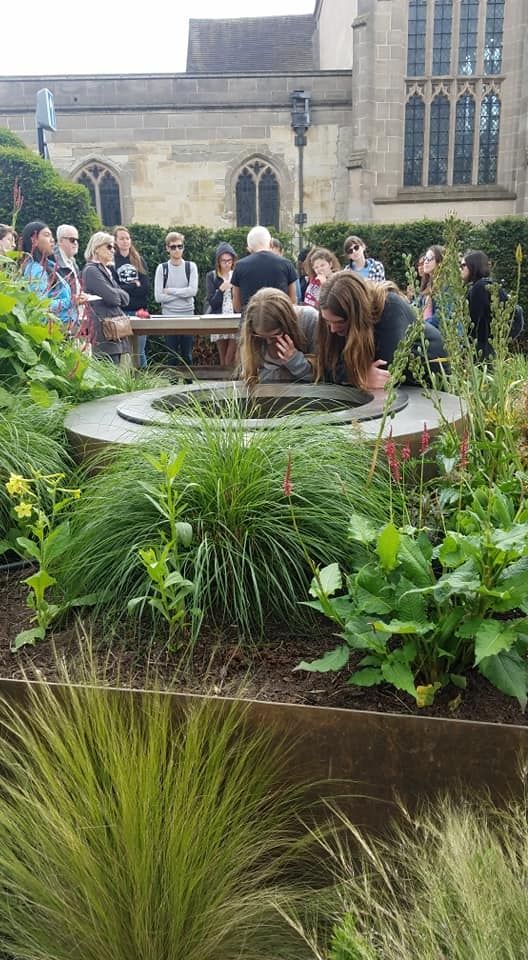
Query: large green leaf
{"x": 6, "y": 304}
{"x": 401, "y": 627}
{"x": 516, "y": 538}
{"x": 508, "y": 672}
{"x": 493, "y": 636}
{"x": 463, "y": 580}
{"x": 368, "y": 677}
{"x": 23, "y": 347}
{"x": 456, "y": 548}
{"x": 327, "y": 581}
{"x": 361, "y": 529}
{"x": 400, "y": 675}
{"x": 414, "y": 563}
{"x": 333, "y": 660}
{"x": 371, "y": 593}
{"x": 387, "y": 546}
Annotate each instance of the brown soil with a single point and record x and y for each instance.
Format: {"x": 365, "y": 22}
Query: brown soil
{"x": 220, "y": 665}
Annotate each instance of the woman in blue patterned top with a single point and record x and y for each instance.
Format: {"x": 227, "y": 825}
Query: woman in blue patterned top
{"x": 359, "y": 263}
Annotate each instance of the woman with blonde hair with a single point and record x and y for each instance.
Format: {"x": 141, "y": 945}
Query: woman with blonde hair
{"x": 361, "y": 327}
{"x": 110, "y": 301}
{"x": 278, "y": 339}
{"x": 322, "y": 264}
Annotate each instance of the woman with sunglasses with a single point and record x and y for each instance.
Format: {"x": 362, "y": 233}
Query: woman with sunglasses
{"x": 175, "y": 287}
{"x": 219, "y": 299}
{"x": 359, "y": 263}
{"x": 429, "y": 286}
{"x": 278, "y": 341}
{"x": 99, "y": 280}
{"x": 361, "y": 327}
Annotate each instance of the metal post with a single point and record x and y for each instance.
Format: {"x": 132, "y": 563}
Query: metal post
{"x": 300, "y": 114}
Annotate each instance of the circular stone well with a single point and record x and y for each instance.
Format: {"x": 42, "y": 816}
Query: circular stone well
{"x": 127, "y": 418}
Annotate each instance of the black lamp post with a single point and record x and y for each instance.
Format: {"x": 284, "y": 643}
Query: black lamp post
{"x": 300, "y": 121}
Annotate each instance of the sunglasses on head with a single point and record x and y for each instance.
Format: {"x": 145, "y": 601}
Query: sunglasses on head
{"x": 176, "y": 246}
{"x": 354, "y": 248}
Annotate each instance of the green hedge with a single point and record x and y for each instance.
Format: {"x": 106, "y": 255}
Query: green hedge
{"x": 390, "y": 242}
{"x": 47, "y": 196}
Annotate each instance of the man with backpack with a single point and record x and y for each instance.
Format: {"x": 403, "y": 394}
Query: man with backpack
{"x": 175, "y": 287}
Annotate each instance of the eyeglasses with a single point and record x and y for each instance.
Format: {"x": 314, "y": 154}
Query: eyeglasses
{"x": 354, "y": 248}
{"x": 110, "y": 246}
{"x": 72, "y": 239}
{"x": 428, "y": 259}
{"x": 176, "y": 246}
{"x": 226, "y": 260}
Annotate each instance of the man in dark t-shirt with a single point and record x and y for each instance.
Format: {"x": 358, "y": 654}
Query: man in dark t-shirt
{"x": 262, "y": 268}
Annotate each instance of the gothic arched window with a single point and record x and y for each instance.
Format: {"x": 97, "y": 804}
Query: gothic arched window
{"x": 464, "y": 134}
{"x": 489, "y": 138}
{"x": 257, "y": 196}
{"x": 104, "y": 192}
{"x": 443, "y": 21}
{"x": 416, "y": 38}
{"x": 467, "y": 38}
{"x": 439, "y": 141}
{"x": 493, "y": 37}
{"x": 414, "y": 142}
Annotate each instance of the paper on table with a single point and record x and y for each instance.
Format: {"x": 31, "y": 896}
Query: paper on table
{"x": 92, "y": 296}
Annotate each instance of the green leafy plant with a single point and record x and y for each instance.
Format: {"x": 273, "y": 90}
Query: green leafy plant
{"x": 422, "y": 615}
{"x": 135, "y": 828}
{"x": 169, "y": 589}
{"x": 44, "y": 541}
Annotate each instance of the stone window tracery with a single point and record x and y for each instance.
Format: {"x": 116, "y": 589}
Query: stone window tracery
{"x": 104, "y": 191}
{"x": 452, "y": 119}
{"x": 257, "y": 195}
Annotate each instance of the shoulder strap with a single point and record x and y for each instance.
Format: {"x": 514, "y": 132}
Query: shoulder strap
{"x": 188, "y": 270}
{"x": 165, "y": 268}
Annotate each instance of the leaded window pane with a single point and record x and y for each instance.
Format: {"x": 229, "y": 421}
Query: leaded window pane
{"x": 416, "y": 38}
{"x": 414, "y": 142}
{"x": 467, "y": 44}
{"x": 439, "y": 141}
{"x": 268, "y": 191}
{"x": 87, "y": 182}
{"x": 246, "y": 200}
{"x": 493, "y": 37}
{"x": 110, "y": 200}
{"x": 443, "y": 22}
{"x": 489, "y": 138}
{"x": 464, "y": 130}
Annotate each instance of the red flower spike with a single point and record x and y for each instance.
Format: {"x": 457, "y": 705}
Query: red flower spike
{"x": 406, "y": 452}
{"x": 287, "y": 485}
{"x": 392, "y": 458}
{"x": 426, "y": 440}
{"x": 464, "y": 450}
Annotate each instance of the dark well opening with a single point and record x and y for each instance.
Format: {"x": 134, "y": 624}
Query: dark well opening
{"x": 263, "y": 403}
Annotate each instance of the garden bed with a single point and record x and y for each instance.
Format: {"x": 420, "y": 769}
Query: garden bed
{"x": 220, "y": 665}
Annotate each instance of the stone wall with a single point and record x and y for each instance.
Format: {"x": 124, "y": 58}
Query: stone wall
{"x": 334, "y": 33}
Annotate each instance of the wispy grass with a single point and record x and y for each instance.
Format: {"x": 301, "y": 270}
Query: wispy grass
{"x": 249, "y": 553}
{"x": 130, "y": 832}
{"x": 450, "y": 884}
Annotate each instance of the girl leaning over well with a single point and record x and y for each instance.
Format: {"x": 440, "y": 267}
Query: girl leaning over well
{"x": 361, "y": 327}
{"x": 278, "y": 340}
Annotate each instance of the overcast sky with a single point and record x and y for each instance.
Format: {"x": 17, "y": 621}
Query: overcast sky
{"x": 70, "y": 37}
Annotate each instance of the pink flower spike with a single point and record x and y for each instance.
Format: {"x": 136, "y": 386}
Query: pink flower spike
{"x": 287, "y": 485}
{"x": 425, "y": 441}
{"x": 464, "y": 450}
{"x": 392, "y": 458}
{"x": 406, "y": 452}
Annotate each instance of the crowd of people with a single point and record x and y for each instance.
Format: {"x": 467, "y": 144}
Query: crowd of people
{"x": 317, "y": 322}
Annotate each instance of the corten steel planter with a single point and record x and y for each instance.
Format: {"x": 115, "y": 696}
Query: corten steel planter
{"x": 367, "y": 759}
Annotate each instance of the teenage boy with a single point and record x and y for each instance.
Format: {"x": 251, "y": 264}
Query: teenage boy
{"x": 175, "y": 287}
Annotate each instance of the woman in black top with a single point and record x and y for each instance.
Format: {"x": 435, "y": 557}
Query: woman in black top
{"x": 133, "y": 278}
{"x": 363, "y": 323}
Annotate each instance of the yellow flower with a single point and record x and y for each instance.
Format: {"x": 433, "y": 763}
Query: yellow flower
{"x": 75, "y": 494}
{"x": 16, "y": 485}
{"x": 23, "y": 509}
{"x": 519, "y": 253}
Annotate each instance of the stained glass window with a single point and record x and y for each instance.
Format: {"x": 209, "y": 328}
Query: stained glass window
{"x": 416, "y": 38}
{"x": 414, "y": 142}
{"x": 464, "y": 131}
{"x": 443, "y": 22}
{"x": 439, "y": 141}
{"x": 104, "y": 192}
{"x": 489, "y": 138}
{"x": 467, "y": 43}
{"x": 493, "y": 37}
{"x": 257, "y": 196}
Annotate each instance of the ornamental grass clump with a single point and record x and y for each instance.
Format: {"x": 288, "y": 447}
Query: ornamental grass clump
{"x": 134, "y": 831}
{"x": 450, "y": 884}
{"x": 252, "y": 544}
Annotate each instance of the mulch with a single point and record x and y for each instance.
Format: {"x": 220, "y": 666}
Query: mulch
{"x": 219, "y": 664}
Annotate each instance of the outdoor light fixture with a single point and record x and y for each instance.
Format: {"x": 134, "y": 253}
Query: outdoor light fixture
{"x": 300, "y": 121}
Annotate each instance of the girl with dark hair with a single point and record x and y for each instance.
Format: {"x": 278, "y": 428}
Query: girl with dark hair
{"x": 358, "y": 261}
{"x": 278, "y": 339}
{"x": 475, "y": 270}
{"x": 219, "y": 299}
{"x": 41, "y": 271}
{"x": 363, "y": 323}
{"x": 133, "y": 278}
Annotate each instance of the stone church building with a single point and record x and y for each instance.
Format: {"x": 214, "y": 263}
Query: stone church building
{"x": 401, "y": 109}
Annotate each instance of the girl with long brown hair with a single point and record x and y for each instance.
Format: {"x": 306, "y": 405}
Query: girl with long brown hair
{"x": 133, "y": 278}
{"x": 362, "y": 325}
{"x": 278, "y": 339}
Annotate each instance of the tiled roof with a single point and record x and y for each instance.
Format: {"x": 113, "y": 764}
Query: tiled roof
{"x": 251, "y": 45}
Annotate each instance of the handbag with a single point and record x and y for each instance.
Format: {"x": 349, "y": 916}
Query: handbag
{"x": 116, "y": 328}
